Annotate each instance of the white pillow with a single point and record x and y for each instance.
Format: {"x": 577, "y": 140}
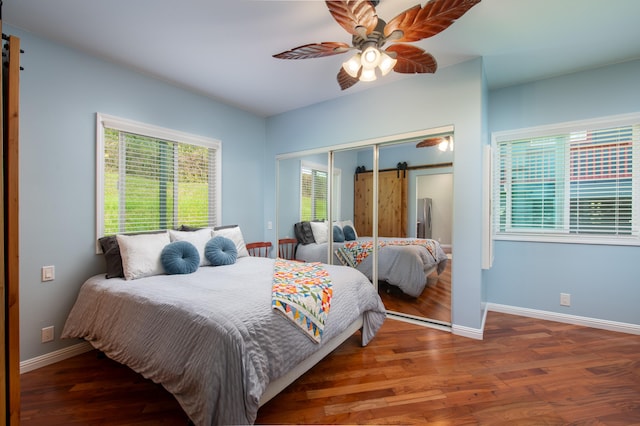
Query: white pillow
{"x": 320, "y": 231}
{"x": 350, "y": 223}
{"x": 198, "y": 238}
{"x": 141, "y": 254}
{"x": 235, "y": 235}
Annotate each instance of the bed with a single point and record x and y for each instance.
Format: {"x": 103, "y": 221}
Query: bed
{"x": 211, "y": 337}
{"x": 405, "y": 263}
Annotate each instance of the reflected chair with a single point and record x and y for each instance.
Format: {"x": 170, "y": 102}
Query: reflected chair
{"x": 259, "y": 249}
{"x": 287, "y": 248}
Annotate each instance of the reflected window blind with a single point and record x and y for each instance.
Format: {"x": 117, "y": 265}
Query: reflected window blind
{"x": 154, "y": 184}
{"x": 313, "y": 199}
{"x": 574, "y": 183}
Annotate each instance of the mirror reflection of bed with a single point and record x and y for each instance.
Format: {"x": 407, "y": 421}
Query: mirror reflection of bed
{"x": 434, "y": 303}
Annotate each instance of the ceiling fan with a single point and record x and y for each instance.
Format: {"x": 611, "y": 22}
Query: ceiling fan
{"x": 370, "y": 33}
{"x": 442, "y": 142}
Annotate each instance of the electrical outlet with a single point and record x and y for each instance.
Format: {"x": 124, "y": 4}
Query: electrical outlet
{"x": 565, "y": 299}
{"x": 47, "y": 334}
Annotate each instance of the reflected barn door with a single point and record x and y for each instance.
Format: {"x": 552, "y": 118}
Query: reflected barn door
{"x": 363, "y": 203}
{"x": 392, "y": 202}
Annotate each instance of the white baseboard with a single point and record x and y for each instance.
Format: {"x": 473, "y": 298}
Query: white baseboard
{"x": 620, "y": 327}
{"x": 53, "y": 357}
{"x": 472, "y": 333}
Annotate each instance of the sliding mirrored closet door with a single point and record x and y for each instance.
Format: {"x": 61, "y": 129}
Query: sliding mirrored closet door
{"x": 338, "y": 187}
{"x": 415, "y": 195}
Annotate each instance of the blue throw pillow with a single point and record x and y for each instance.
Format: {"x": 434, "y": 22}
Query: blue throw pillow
{"x": 180, "y": 257}
{"x": 338, "y": 235}
{"x": 349, "y": 233}
{"x": 221, "y": 251}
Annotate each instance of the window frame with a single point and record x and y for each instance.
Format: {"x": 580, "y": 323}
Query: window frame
{"x": 334, "y": 185}
{"x": 148, "y": 130}
{"x": 565, "y": 129}
{"x": 313, "y": 167}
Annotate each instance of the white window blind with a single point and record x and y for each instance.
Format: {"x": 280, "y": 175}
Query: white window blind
{"x": 576, "y": 182}
{"x": 314, "y": 196}
{"x": 153, "y": 179}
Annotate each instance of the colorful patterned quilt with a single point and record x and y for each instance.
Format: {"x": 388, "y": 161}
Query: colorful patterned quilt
{"x": 302, "y": 292}
{"x": 354, "y": 252}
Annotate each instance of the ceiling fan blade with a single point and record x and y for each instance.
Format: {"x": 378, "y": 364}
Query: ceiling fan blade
{"x": 314, "y": 50}
{"x": 435, "y": 16}
{"x": 429, "y": 142}
{"x": 351, "y": 14}
{"x": 412, "y": 59}
{"x": 345, "y": 80}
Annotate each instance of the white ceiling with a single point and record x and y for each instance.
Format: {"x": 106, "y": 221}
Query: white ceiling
{"x": 223, "y": 48}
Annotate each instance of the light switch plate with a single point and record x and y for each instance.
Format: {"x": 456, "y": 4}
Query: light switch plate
{"x": 48, "y": 273}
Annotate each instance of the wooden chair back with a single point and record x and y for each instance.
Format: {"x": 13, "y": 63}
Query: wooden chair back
{"x": 287, "y": 248}
{"x": 259, "y": 248}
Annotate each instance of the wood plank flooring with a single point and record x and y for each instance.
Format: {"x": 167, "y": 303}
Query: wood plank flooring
{"x": 433, "y": 303}
{"x": 525, "y": 372}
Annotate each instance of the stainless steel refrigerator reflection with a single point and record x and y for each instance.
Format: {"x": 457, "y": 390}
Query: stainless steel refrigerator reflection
{"x": 424, "y": 218}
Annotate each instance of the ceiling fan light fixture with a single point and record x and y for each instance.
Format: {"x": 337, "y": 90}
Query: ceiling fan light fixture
{"x": 352, "y": 66}
{"x": 386, "y": 63}
{"x": 446, "y": 144}
{"x": 368, "y": 74}
{"x": 370, "y": 57}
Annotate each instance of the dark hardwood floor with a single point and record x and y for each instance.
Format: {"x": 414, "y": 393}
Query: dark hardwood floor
{"x": 434, "y": 302}
{"x": 525, "y": 372}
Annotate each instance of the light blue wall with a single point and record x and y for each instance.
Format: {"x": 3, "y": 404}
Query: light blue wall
{"x": 603, "y": 280}
{"x": 60, "y": 92}
{"x": 347, "y": 162}
{"x": 452, "y": 96}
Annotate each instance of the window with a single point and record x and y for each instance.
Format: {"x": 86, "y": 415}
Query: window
{"x": 313, "y": 192}
{"x": 576, "y": 182}
{"x": 151, "y": 178}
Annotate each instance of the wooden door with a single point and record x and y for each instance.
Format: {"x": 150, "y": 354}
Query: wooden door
{"x": 4, "y": 384}
{"x": 10, "y": 241}
{"x": 392, "y": 203}
{"x": 363, "y": 203}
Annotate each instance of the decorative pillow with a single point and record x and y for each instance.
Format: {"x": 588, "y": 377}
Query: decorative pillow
{"x": 320, "y": 231}
{"x": 338, "y": 235}
{"x": 233, "y": 233}
{"x": 111, "y": 251}
{"x": 349, "y": 233}
{"x": 180, "y": 257}
{"x": 217, "y": 228}
{"x": 198, "y": 238}
{"x": 221, "y": 251}
{"x": 187, "y": 228}
{"x": 303, "y": 232}
{"x": 349, "y": 223}
{"x": 141, "y": 254}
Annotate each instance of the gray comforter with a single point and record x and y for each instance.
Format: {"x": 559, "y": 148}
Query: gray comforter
{"x": 211, "y": 338}
{"x": 405, "y": 267}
